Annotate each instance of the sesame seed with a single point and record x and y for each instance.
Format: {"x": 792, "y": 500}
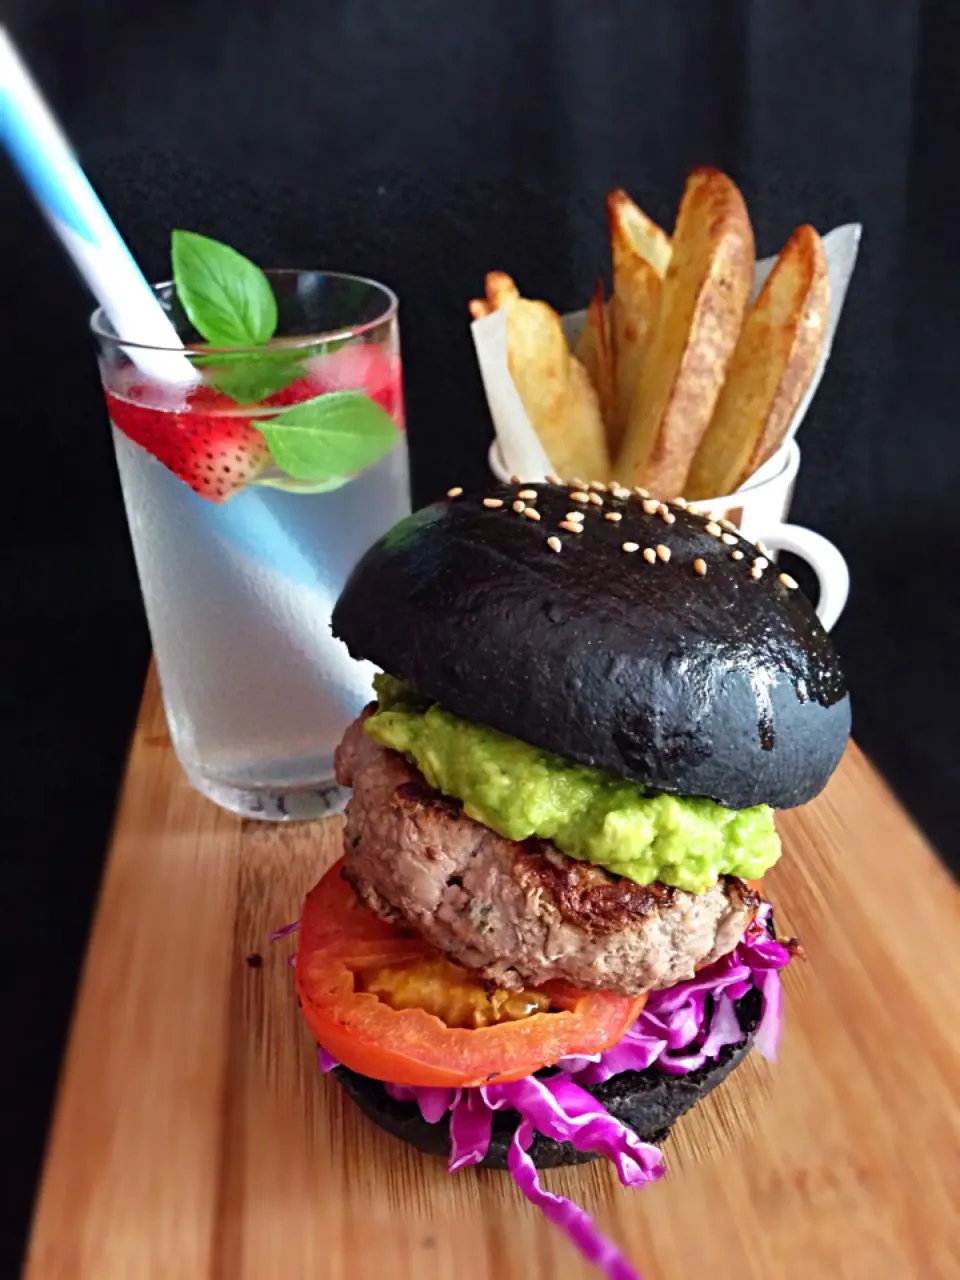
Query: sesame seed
{"x": 761, "y": 548}
{"x": 554, "y": 543}
{"x": 575, "y": 516}
{"x": 578, "y": 495}
{"x": 681, "y": 503}
{"x": 756, "y": 573}
{"x": 663, "y": 552}
{"x": 455, "y": 492}
{"x": 519, "y": 505}
{"x": 514, "y": 479}
{"x": 728, "y": 524}
{"x": 598, "y": 485}
{"x": 651, "y": 506}
{"x": 631, "y": 546}
{"x": 615, "y": 516}
{"x": 700, "y": 566}
{"x": 729, "y": 538}
{"x": 551, "y": 478}
{"x": 595, "y": 498}
{"x": 736, "y": 555}
{"x": 530, "y": 494}
{"x": 531, "y": 513}
{"x": 613, "y": 486}
{"x": 761, "y": 563}
{"x": 668, "y": 517}
{"x": 571, "y": 526}
{"x": 791, "y": 583}
{"x": 493, "y": 502}
{"x": 649, "y": 555}
{"x": 622, "y": 494}
{"x": 640, "y": 491}
{"x": 577, "y": 483}
{"x": 713, "y": 528}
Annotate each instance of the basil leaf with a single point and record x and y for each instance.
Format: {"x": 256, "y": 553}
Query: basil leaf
{"x": 226, "y": 297}
{"x": 248, "y": 378}
{"x": 335, "y": 434}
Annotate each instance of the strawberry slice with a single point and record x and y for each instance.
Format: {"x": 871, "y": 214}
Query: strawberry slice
{"x": 206, "y": 443}
{"x": 294, "y": 392}
{"x": 361, "y": 366}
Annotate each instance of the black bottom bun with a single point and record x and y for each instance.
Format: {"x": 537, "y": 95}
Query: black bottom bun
{"x": 648, "y": 1101}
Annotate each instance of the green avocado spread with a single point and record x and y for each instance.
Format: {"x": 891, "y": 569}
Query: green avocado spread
{"x": 520, "y": 791}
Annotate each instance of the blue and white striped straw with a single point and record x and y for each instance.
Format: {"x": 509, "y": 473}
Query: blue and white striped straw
{"x": 50, "y": 169}
{"x": 46, "y": 162}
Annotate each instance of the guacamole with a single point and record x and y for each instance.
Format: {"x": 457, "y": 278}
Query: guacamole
{"x": 520, "y": 791}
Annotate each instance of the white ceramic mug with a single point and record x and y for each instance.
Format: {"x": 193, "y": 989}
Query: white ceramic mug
{"x": 759, "y": 510}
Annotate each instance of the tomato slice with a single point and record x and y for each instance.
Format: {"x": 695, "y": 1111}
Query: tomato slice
{"x": 339, "y": 937}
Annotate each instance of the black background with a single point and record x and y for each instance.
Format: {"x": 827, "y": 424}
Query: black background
{"x": 426, "y": 142}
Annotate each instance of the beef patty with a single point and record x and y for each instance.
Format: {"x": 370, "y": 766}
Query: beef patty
{"x": 520, "y": 914}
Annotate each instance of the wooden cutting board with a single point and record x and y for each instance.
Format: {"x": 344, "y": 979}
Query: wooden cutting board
{"x": 195, "y": 1140}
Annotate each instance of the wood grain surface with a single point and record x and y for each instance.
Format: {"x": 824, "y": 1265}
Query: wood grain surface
{"x": 195, "y": 1140}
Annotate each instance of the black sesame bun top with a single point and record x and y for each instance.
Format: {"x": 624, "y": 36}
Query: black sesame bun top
{"x": 633, "y": 636}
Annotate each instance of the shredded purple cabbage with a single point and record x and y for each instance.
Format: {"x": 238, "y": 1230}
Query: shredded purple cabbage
{"x": 677, "y": 1031}
{"x": 325, "y": 1061}
{"x": 282, "y": 932}
{"x": 698, "y": 1017}
{"x": 471, "y": 1122}
{"x": 569, "y": 1217}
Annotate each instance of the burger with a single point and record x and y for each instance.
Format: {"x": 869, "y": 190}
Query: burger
{"x": 547, "y": 937}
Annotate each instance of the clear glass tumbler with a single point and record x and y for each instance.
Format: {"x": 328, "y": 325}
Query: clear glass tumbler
{"x": 239, "y": 589}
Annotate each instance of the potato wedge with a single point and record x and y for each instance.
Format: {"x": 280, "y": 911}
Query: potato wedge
{"x": 704, "y": 296}
{"x": 581, "y": 447}
{"x": 595, "y": 349}
{"x": 556, "y": 391}
{"x": 640, "y": 253}
{"x": 500, "y": 289}
{"x": 772, "y": 365}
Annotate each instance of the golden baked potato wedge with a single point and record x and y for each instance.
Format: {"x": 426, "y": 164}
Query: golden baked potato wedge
{"x": 500, "y": 289}
{"x": 640, "y": 254}
{"x": 702, "y": 304}
{"x": 581, "y": 448}
{"x": 556, "y": 390}
{"x": 595, "y": 350}
{"x": 772, "y": 365}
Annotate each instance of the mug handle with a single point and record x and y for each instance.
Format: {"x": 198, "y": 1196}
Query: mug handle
{"x": 823, "y": 558}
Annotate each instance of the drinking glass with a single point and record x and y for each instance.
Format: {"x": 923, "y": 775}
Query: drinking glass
{"x": 238, "y": 591}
